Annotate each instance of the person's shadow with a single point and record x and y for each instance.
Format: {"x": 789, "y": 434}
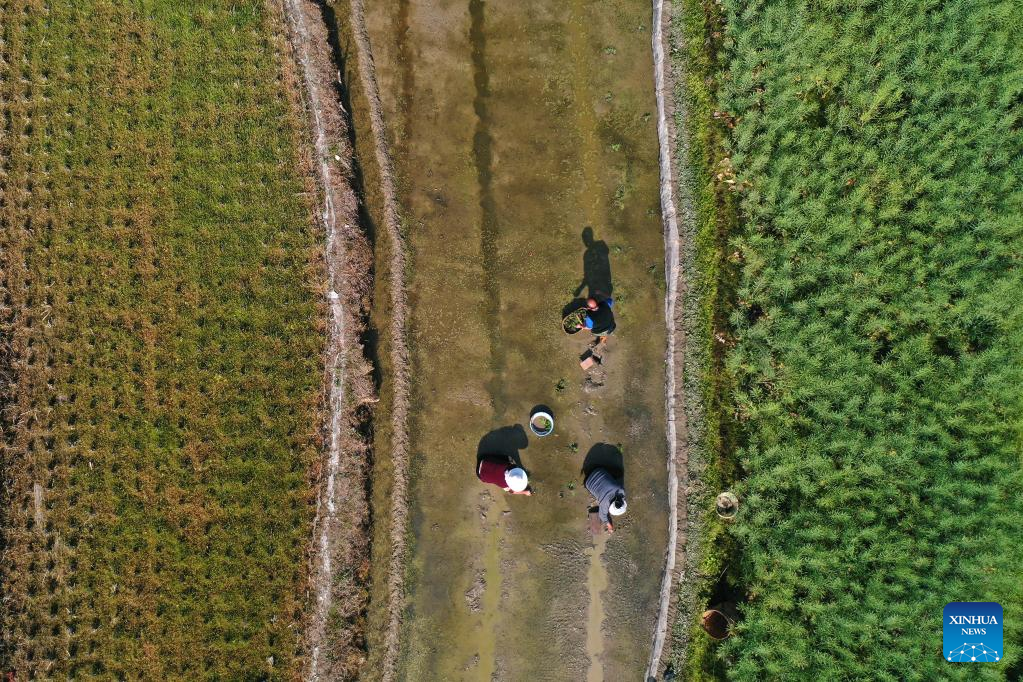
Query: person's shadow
{"x": 596, "y": 267}
{"x": 503, "y": 442}
{"x": 605, "y": 456}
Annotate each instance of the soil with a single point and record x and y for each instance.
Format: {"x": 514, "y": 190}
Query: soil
{"x": 473, "y": 596}
{"x": 340, "y": 540}
{"x": 399, "y": 359}
{"x": 380, "y": 215}
{"x": 596, "y": 583}
{"x": 684, "y": 359}
{"x": 675, "y": 207}
{"x": 517, "y": 126}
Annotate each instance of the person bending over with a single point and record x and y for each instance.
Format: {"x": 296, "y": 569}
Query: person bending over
{"x": 609, "y": 493}
{"x": 502, "y": 472}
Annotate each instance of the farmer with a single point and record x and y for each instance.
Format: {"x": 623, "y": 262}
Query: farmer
{"x": 598, "y": 318}
{"x": 609, "y": 493}
{"x": 502, "y": 472}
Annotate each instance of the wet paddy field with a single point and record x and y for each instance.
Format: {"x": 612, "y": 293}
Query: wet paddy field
{"x": 523, "y": 136}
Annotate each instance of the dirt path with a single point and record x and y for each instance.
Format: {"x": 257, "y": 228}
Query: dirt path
{"x": 340, "y": 538}
{"x": 596, "y": 583}
{"x": 398, "y": 379}
{"x": 519, "y": 126}
{"x": 674, "y": 304}
{"x": 490, "y": 574}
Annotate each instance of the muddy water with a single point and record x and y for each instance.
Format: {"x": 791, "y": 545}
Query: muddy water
{"x": 596, "y": 583}
{"x": 490, "y": 606}
{"x": 515, "y": 126}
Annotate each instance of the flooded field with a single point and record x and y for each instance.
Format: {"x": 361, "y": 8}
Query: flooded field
{"x": 523, "y": 136}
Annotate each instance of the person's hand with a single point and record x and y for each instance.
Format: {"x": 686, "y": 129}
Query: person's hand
{"x": 610, "y": 528}
{"x": 527, "y": 492}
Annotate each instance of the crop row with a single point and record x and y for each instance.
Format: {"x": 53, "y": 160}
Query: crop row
{"x": 162, "y": 341}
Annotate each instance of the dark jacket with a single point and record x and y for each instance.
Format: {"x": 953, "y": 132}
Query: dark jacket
{"x": 601, "y": 320}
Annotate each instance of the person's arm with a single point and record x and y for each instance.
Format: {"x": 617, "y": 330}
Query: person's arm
{"x": 527, "y": 491}
{"x": 603, "y": 511}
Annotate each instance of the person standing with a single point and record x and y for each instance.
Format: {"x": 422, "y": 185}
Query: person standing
{"x": 502, "y": 472}
{"x": 609, "y": 492}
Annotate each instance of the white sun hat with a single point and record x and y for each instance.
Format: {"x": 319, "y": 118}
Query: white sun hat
{"x": 618, "y": 507}
{"x": 516, "y": 479}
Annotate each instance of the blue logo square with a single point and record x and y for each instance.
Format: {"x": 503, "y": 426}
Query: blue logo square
{"x": 972, "y": 632}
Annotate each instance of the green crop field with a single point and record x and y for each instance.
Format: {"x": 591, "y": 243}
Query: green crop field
{"x": 876, "y": 343}
{"x": 160, "y": 343}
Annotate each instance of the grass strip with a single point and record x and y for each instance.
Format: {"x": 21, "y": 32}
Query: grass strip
{"x": 695, "y": 35}
{"x": 875, "y": 356}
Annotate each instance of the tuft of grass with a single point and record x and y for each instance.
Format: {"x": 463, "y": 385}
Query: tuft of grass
{"x": 162, "y": 342}
{"x": 697, "y": 38}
